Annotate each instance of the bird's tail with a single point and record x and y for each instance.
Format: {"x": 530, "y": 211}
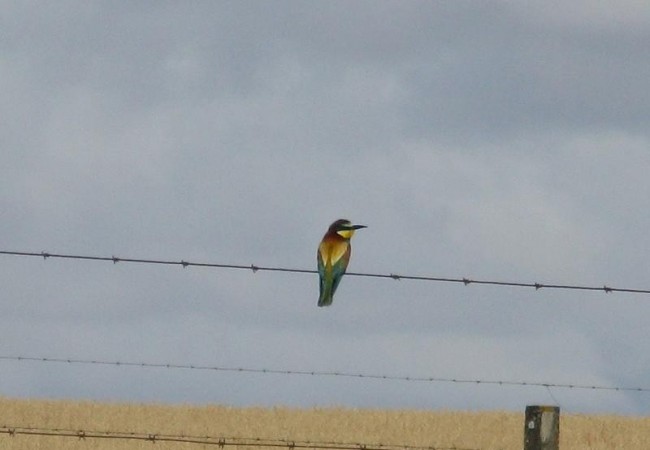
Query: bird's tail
{"x": 326, "y": 295}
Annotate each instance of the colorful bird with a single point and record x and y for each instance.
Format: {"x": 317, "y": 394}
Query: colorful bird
{"x": 333, "y": 257}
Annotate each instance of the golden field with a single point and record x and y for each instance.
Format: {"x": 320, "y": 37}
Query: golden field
{"x": 308, "y": 427}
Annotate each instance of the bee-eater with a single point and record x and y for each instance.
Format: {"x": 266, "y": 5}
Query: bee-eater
{"x": 333, "y": 257}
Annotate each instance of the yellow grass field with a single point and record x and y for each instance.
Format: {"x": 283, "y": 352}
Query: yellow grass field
{"x": 307, "y": 428}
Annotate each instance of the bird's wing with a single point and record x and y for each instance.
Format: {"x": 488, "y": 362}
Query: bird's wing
{"x": 321, "y": 268}
{"x": 333, "y": 258}
{"x": 339, "y": 267}
{"x": 339, "y": 250}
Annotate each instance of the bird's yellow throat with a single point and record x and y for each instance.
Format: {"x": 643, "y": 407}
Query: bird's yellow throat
{"x": 345, "y": 234}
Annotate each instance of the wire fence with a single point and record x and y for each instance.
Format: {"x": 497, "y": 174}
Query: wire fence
{"x": 219, "y": 441}
{"x": 263, "y": 371}
{"x": 289, "y": 372}
{"x": 255, "y": 268}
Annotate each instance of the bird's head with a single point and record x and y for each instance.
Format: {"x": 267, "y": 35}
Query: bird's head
{"x": 344, "y": 228}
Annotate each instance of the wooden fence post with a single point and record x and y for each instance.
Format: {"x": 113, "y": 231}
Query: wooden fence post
{"x": 542, "y": 428}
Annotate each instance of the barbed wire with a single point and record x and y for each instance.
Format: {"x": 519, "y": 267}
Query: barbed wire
{"x": 212, "y": 440}
{"x": 430, "y": 379}
{"x": 255, "y": 268}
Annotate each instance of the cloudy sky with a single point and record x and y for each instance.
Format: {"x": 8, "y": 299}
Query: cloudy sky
{"x": 488, "y": 140}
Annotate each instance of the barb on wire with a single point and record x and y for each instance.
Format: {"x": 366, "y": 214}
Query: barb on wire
{"x": 211, "y": 440}
{"x": 255, "y": 268}
{"x": 430, "y": 379}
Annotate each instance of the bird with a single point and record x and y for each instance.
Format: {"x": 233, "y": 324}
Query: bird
{"x": 333, "y": 256}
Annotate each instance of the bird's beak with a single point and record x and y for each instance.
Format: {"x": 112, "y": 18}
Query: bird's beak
{"x": 356, "y": 227}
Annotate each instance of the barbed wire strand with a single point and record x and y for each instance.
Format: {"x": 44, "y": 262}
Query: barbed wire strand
{"x": 255, "y": 268}
{"x": 431, "y": 379}
{"x": 212, "y": 440}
